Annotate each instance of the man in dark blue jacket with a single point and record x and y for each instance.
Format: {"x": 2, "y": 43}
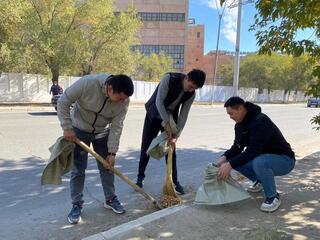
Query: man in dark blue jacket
{"x": 56, "y": 89}
{"x": 259, "y": 152}
{"x": 173, "y": 96}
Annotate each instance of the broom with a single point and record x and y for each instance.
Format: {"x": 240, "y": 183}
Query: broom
{"x": 170, "y": 197}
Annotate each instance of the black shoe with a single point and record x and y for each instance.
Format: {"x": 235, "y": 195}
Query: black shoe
{"x": 75, "y": 214}
{"x": 139, "y": 182}
{"x": 179, "y": 189}
{"x": 114, "y": 205}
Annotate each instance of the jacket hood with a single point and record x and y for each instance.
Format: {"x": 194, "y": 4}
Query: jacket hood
{"x": 252, "y": 111}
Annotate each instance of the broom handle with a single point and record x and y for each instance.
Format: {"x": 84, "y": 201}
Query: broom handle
{"x": 114, "y": 170}
{"x": 169, "y": 163}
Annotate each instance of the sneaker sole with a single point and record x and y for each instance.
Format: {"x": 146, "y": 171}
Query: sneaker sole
{"x": 114, "y": 210}
{"x": 254, "y": 191}
{"x": 74, "y": 222}
{"x": 179, "y": 193}
{"x": 272, "y": 209}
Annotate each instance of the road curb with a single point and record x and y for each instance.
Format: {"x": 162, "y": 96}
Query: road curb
{"x": 111, "y": 233}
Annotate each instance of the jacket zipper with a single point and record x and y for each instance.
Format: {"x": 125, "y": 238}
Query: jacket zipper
{"x": 96, "y": 117}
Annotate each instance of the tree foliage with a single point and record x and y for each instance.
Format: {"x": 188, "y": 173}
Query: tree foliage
{"x": 277, "y": 25}
{"x": 151, "y": 68}
{"x": 271, "y": 72}
{"x": 66, "y": 35}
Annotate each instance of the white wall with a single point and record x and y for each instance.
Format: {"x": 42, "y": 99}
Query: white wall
{"x": 35, "y": 88}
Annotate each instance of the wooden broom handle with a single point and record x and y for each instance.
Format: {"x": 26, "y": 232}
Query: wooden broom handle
{"x": 115, "y": 171}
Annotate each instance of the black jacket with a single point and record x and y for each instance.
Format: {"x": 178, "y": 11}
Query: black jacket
{"x": 259, "y": 135}
{"x": 175, "y": 88}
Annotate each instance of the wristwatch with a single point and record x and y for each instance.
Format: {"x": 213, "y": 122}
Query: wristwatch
{"x": 111, "y": 154}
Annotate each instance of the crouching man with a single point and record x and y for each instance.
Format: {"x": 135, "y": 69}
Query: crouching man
{"x": 259, "y": 152}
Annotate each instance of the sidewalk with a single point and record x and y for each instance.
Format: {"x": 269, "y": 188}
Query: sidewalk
{"x": 297, "y": 218}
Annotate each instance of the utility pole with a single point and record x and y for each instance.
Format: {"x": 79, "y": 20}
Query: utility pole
{"x": 237, "y": 50}
{"x": 220, "y": 14}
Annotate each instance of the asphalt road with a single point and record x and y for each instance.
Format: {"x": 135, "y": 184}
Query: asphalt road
{"x": 30, "y": 211}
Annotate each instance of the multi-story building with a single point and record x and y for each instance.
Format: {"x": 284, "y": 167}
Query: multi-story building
{"x": 195, "y": 57}
{"x": 164, "y": 27}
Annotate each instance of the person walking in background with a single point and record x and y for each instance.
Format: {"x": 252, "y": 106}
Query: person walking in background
{"x": 173, "y": 96}
{"x": 56, "y": 89}
{"x": 100, "y": 104}
{"x": 259, "y": 152}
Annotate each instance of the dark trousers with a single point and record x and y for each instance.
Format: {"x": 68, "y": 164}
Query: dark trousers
{"x": 151, "y": 129}
{"x": 80, "y": 165}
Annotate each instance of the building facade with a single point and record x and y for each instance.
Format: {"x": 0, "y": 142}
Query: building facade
{"x": 195, "y": 57}
{"x": 164, "y": 27}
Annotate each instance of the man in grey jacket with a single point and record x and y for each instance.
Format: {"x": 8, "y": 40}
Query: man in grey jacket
{"x": 99, "y": 106}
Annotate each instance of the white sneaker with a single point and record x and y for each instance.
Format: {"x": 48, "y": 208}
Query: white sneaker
{"x": 255, "y": 188}
{"x": 271, "y": 204}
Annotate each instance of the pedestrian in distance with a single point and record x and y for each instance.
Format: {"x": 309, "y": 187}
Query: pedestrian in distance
{"x": 259, "y": 152}
{"x": 173, "y": 96}
{"x": 100, "y": 104}
{"x": 56, "y": 89}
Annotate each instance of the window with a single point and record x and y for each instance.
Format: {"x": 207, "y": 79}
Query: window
{"x": 198, "y": 34}
{"x": 176, "y": 52}
{"x": 154, "y": 16}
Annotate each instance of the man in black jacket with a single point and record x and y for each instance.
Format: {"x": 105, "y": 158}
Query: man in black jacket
{"x": 259, "y": 151}
{"x": 173, "y": 96}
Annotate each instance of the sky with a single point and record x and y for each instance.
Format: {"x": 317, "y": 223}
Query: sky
{"x": 205, "y": 12}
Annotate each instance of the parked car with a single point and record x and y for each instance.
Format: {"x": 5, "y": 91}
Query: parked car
{"x": 54, "y": 101}
{"x": 313, "y": 102}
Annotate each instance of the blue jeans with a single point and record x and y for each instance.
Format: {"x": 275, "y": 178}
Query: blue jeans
{"x": 80, "y": 165}
{"x": 264, "y": 168}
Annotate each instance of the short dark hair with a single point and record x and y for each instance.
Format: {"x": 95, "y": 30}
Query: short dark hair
{"x": 234, "y": 102}
{"x": 121, "y": 83}
{"x": 197, "y": 76}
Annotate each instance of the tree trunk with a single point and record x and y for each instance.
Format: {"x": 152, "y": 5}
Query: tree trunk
{"x": 55, "y": 73}
{"x": 86, "y": 70}
{"x": 284, "y": 95}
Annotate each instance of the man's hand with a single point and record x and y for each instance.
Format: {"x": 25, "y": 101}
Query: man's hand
{"x": 221, "y": 160}
{"x": 173, "y": 141}
{"x": 224, "y": 171}
{"x": 69, "y": 135}
{"x": 109, "y": 162}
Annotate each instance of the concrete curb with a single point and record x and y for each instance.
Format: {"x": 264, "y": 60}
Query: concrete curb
{"x": 135, "y": 223}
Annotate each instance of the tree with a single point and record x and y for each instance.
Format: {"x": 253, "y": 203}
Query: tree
{"x": 153, "y": 67}
{"x": 272, "y": 72}
{"x": 277, "y": 24}
{"x": 61, "y": 34}
{"x": 106, "y": 39}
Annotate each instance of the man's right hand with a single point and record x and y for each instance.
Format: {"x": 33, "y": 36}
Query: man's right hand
{"x": 221, "y": 160}
{"x": 69, "y": 135}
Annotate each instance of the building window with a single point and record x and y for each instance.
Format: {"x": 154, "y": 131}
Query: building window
{"x": 198, "y": 34}
{"x": 176, "y": 52}
{"x": 165, "y": 17}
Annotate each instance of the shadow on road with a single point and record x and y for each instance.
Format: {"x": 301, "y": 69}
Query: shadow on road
{"x": 42, "y": 113}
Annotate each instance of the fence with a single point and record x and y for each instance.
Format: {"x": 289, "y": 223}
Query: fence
{"x": 35, "y": 88}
